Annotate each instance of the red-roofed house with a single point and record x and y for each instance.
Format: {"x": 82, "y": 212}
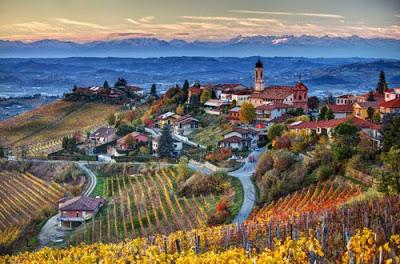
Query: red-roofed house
{"x": 185, "y": 125}
{"x": 326, "y": 127}
{"x": 194, "y": 95}
{"x": 77, "y": 210}
{"x": 390, "y": 107}
{"x": 137, "y": 137}
{"x": 391, "y": 94}
{"x": 341, "y": 110}
{"x": 239, "y": 138}
{"x": 361, "y": 108}
{"x": 345, "y": 99}
{"x": 267, "y": 112}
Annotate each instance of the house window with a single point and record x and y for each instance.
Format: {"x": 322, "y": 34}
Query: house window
{"x": 77, "y": 214}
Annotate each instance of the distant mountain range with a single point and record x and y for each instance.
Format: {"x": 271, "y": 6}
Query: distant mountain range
{"x": 292, "y": 46}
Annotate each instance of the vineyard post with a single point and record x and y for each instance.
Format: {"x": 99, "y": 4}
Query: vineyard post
{"x": 278, "y": 232}
{"x": 197, "y": 244}
{"x": 270, "y": 234}
{"x": 386, "y": 233}
{"x": 178, "y": 245}
{"x": 291, "y": 231}
{"x": 307, "y": 219}
{"x": 165, "y": 245}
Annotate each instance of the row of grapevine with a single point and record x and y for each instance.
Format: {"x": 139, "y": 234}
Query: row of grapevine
{"x": 316, "y": 198}
{"x": 370, "y": 235}
{"x": 23, "y": 197}
{"x": 143, "y": 205}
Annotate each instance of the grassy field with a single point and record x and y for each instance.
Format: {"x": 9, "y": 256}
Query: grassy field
{"x": 53, "y": 121}
{"x": 209, "y": 135}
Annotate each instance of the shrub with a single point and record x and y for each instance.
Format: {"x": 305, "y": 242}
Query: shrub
{"x": 275, "y": 130}
{"x": 283, "y": 160}
{"x": 282, "y": 142}
{"x": 219, "y": 155}
{"x": 265, "y": 163}
{"x": 200, "y": 184}
{"x": 222, "y": 213}
{"x": 324, "y": 172}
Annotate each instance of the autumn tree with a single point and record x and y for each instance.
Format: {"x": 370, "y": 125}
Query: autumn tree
{"x": 205, "y": 96}
{"x": 180, "y": 110}
{"x": 247, "y": 113}
{"x": 275, "y": 130}
{"x": 111, "y": 119}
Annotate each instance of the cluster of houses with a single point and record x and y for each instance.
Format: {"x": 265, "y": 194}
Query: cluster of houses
{"x": 272, "y": 105}
{"x": 118, "y": 95}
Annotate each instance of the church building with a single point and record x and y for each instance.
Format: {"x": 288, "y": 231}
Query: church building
{"x": 295, "y": 96}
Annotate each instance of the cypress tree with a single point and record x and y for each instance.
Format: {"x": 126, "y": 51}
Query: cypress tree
{"x": 165, "y": 143}
{"x": 382, "y": 85}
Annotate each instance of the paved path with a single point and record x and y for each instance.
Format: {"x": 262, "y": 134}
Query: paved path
{"x": 244, "y": 174}
{"x": 51, "y": 232}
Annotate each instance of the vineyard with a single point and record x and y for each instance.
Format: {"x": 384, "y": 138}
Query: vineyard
{"x": 314, "y": 199}
{"x": 140, "y": 205}
{"x": 41, "y": 129}
{"x": 23, "y": 198}
{"x": 366, "y": 232}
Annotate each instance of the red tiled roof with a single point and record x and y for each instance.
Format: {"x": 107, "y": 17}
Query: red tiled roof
{"x": 367, "y": 104}
{"x": 282, "y": 118}
{"x": 233, "y": 139}
{"x": 340, "y": 108}
{"x": 358, "y": 122}
{"x": 195, "y": 90}
{"x": 395, "y": 103}
{"x": 272, "y": 106}
{"x": 377, "y": 96}
{"x": 84, "y": 204}
{"x": 346, "y": 96}
{"x": 274, "y": 93}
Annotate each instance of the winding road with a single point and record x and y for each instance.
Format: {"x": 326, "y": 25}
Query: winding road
{"x": 244, "y": 174}
{"x": 50, "y": 231}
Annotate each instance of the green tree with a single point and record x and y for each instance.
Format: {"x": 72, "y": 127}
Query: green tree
{"x": 322, "y": 113}
{"x": 111, "y": 119}
{"x": 388, "y": 176}
{"x": 382, "y": 85}
{"x": 2, "y": 155}
{"x": 165, "y": 143}
{"x": 313, "y": 102}
{"x": 329, "y": 114}
{"x": 153, "y": 90}
{"x": 71, "y": 146}
{"x": 247, "y": 113}
{"x": 370, "y": 112}
{"x": 106, "y": 85}
{"x": 205, "y": 96}
{"x": 346, "y": 139}
{"x": 183, "y": 169}
{"x": 120, "y": 83}
{"x": 376, "y": 117}
{"x": 185, "y": 89}
{"x": 129, "y": 141}
{"x": 276, "y": 130}
{"x": 371, "y": 97}
{"x": 390, "y": 132}
{"x": 144, "y": 150}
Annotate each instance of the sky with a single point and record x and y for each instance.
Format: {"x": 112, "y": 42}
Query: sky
{"x": 89, "y": 20}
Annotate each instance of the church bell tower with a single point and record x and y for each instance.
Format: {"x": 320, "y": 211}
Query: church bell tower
{"x": 259, "y": 77}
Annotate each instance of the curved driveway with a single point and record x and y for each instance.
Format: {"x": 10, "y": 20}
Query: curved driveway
{"x": 244, "y": 174}
{"x": 50, "y": 231}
